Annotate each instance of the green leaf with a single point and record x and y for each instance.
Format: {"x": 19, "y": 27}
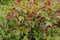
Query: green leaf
{"x": 21, "y": 18}
{"x": 6, "y": 7}
{"x": 24, "y": 1}
{"x": 32, "y": 23}
{"x": 0, "y": 0}
{"x": 37, "y": 0}
{"x": 54, "y": 20}
{"x": 42, "y": 14}
{"x": 56, "y": 6}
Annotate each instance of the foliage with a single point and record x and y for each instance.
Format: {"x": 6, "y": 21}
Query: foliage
{"x": 26, "y": 20}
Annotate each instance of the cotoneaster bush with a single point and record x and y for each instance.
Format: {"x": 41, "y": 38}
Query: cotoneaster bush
{"x": 29, "y": 20}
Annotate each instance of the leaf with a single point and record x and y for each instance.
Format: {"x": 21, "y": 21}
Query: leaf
{"x": 24, "y": 1}
{"x": 56, "y": 6}
{"x": 6, "y": 7}
{"x": 42, "y": 13}
{"x": 37, "y": 0}
{"x": 25, "y": 31}
{"x": 48, "y": 23}
{"x": 54, "y": 20}
{"x": 0, "y": 0}
{"x": 3, "y": 19}
{"x": 32, "y": 23}
{"x": 21, "y": 18}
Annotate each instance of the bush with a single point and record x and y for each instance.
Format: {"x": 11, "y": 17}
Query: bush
{"x": 27, "y": 20}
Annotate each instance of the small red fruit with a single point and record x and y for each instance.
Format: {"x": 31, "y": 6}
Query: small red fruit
{"x": 31, "y": 18}
{"x": 29, "y": 15}
{"x": 35, "y": 3}
{"x": 33, "y": 12}
{"x": 11, "y": 27}
{"x": 44, "y": 31}
{"x": 8, "y": 17}
{"x": 38, "y": 16}
{"x": 19, "y": 0}
{"x": 23, "y": 25}
{"x": 49, "y": 2}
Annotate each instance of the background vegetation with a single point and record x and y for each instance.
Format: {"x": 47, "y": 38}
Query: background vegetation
{"x": 29, "y": 20}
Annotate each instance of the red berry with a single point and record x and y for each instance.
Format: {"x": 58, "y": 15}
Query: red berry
{"x": 38, "y": 16}
{"x": 35, "y": 3}
{"x": 33, "y": 12}
{"x": 8, "y": 17}
{"x": 49, "y": 2}
{"x": 29, "y": 15}
{"x": 19, "y": 0}
{"x": 31, "y": 18}
{"x": 11, "y": 27}
{"x": 23, "y": 25}
{"x": 44, "y": 31}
